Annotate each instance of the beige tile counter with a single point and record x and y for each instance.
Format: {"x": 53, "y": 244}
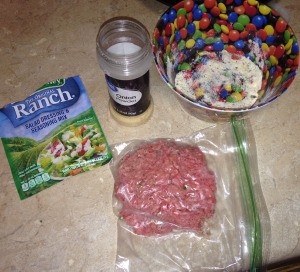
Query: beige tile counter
{"x": 71, "y": 226}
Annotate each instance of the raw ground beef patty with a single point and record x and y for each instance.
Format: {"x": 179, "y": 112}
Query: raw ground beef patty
{"x": 163, "y": 186}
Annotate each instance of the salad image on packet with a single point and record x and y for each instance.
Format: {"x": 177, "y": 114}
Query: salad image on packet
{"x": 52, "y": 134}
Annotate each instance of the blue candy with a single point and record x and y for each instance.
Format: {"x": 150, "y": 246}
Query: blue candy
{"x": 177, "y": 36}
{"x": 218, "y": 46}
{"x": 295, "y": 48}
{"x": 265, "y": 19}
{"x": 172, "y": 15}
{"x": 197, "y": 14}
{"x": 191, "y": 28}
{"x": 161, "y": 41}
{"x": 270, "y": 40}
{"x": 165, "y": 18}
{"x": 272, "y": 70}
{"x": 232, "y": 17}
{"x": 239, "y": 44}
{"x": 199, "y": 44}
{"x": 249, "y": 56}
{"x": 223, "y": 93}
{"x": 258, "y": 40}
{"x": 238, "y": 2}
{"x": 258, "y": 21}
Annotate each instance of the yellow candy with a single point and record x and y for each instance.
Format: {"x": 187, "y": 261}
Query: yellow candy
{"x": 196, "y": 23}
{"x": 260, "y": 93}
{"x": 223, "y": 16}
{"x": 227, "y": 87}
{"x": 190, "y": 43}
{"x": 289, "y": 51}
{"x": 237, "y": 96}
{"x": 175, "y": 24}
{"x": 277, "y": 81}
{"x": 225, "y": 29}
{"x": 252, "y": 2}
{"x": 199, "y": 92}
{"x": 265, "y": 47}
{"x": 267, "y": 74}
{"x": 173, "y": 28}
{"x": 264, "y": 10}
{"x": 287, "y": 70}
{"x": 204, "y": 35}
{"x": 171, "y": 38}
{"x": 289, "y": 44}
{"x": 273, "y": 60}
{"x": 222, "y": 7}
{"x": 269, "y": 29}
{"x": 168, "y": 49}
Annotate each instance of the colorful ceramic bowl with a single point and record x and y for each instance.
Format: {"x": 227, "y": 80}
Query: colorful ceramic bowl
{"x": 194, "y": 38}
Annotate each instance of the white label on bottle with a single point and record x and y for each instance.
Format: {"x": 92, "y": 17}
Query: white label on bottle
{"x": 124, "y": 97}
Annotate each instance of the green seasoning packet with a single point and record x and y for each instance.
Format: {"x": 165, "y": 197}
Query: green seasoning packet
{"x": 52, "y": 134}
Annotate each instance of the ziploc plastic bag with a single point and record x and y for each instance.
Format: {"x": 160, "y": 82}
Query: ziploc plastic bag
{"x": 174, "y": 219}
{"x": 52, "y": 134}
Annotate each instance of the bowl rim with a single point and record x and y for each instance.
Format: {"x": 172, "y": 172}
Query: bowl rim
{"x": 206, "y": 107}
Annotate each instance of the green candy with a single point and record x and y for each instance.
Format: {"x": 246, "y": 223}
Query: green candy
{"x": 202, "y": 7}
{"x": 209, "y": 40}
{"x": 217, "y": 28}
{"x": 237, "y": 88}
{"x": 243, "y": 19}
{"x": 197, "y": 35}
{"x": 181, "y": 11}
{"x": 230, "y": 99}
{"x": 185, "y": 66}
{"x": 238, "y": 26}
{"x": 181, "y": 45}
{"x": 286, "y": 36}
{"x": 269, "y": 64}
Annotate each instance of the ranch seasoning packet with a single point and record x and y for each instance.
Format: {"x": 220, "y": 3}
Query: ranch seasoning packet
{"x": 51, "y": 135}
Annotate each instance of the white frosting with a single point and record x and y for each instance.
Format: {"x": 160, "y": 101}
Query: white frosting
{"x": 215, "y": 73}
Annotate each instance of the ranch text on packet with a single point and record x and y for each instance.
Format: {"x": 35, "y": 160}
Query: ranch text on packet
{"x": 52, "y": 134}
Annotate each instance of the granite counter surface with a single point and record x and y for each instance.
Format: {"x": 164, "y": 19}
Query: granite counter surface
{"x": 71, "y": 226}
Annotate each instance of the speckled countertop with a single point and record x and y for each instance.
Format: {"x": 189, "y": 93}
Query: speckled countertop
{"x": 71, "y": 226}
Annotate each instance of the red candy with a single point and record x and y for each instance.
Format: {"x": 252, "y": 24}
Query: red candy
{"x": 280, "y": 26}
{"x": 239, "y": 9}
{"x": 181, "y": 21}
{"x": 250, "y": 27}
{"x": 183, "y": 33}
{"x": 204, "y": 22}
{"x": 215, "y": 11}
{"x": 229, "y": 2}
{"x": 222, "y": 22}
{"x": 188, "y": 5}
{"x": 231, "y": 49}
{"x": 211, "y": 33}
{"x": 279, "y": 51}
{"x": 244, "y": 34}
{"x": 272, "y": 50}
{"x": 190, "y": 17}
{"x": 168, "y": 29}
{"x": 224, "y": 38}
{"x": 234, "y": 35}
{"x": 209, "y": 3}
{"x": 249, "y": 10}
{"x": 262, "y": 34}
{"x": 156, "y": 34}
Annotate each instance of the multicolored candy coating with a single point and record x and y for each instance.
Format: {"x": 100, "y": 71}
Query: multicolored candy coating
{"x": 216, "y": 25}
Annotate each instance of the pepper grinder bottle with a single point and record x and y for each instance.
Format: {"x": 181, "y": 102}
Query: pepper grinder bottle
{"x": 124, "y": 54}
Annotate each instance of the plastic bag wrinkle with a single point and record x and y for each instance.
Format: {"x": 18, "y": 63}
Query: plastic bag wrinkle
{"x": 225, "y": 242}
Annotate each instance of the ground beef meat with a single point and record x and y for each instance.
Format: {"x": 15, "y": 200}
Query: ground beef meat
{"x": 163, "y": 186}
